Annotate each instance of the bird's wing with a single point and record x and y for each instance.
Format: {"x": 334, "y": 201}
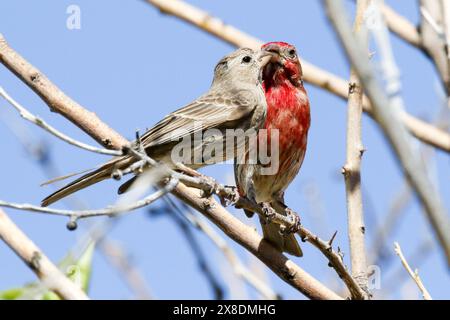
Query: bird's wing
{"x": 209, "y": 111}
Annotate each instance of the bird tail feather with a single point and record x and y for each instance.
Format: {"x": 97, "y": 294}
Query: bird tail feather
{"x": 285, "y": 243}
{"x": 100, "y": 174}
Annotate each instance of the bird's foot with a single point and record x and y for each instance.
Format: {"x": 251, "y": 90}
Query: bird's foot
{"x": 295, "y": 224}
{"x": 269, "y": 212}
{"x": 229, "y": 197}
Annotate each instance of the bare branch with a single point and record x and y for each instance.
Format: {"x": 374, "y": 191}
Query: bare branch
{"x": 387, "y": 117}
{"x": 312, "y": 74}
{"x": 46, "y": 271}
{"x": 414, "y": 275}
{"x": 434, "y": 39}
{"x": 352, "y": 168}
{"x": 418, "y": 257}
{"x": 401, "y": 26}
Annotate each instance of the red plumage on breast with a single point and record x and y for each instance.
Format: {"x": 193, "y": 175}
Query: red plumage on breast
{"x": 288, "y": 112}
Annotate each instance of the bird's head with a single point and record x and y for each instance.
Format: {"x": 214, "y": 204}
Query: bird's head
{"x": 243, "y": 66}
{"x": 284, "y": 65}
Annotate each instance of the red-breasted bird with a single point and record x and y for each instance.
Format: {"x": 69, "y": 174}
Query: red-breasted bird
{"x": 234, "y": 100}
{"x": 288, "y": 112}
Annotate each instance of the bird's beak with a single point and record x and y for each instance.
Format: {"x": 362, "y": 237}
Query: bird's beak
{"x": 264, "y": 58}
{"x": 274, "y": 52}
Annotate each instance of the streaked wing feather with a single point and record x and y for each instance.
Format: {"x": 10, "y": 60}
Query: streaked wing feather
{"x": 210, "y": 111}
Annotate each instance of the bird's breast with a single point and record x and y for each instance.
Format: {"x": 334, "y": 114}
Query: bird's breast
{"x": 288, "y": 112}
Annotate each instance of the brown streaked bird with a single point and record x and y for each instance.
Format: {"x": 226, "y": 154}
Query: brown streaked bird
{"x": 288, "y": 112}
{"x": 235, "y": 100}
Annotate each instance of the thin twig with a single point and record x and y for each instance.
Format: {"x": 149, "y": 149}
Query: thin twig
{"x": 27, "y": 115}
{"x": 109, "y": 211}
{"x": 417, "y": 258}
{"x": 50, "y": 276}
{"x": 414, "y": 275}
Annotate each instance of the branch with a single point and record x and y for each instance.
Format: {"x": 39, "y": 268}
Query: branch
{"x": 418, "y": 257}
{"x": 352, "y": 168}
{"x": 434, "y": 39}
{"x": 388, "y": 119}
{"x": 27, "y": 115}
{"x": 401, "y": 26}
{"x": 312, "y": 74}
{"x": 414, "y": 275}
{"x": 45, "y": 270}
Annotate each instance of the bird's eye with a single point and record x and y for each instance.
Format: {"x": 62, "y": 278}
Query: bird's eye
{"x": 292, "y": 53}
{"x": 246, "y": 59}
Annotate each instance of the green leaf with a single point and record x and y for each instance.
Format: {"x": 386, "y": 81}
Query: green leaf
{"x": 79, "y": 271}
{"x": 11, "y": 294}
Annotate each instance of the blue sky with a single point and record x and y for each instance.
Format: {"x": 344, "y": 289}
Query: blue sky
{"x": 131, "y": 65}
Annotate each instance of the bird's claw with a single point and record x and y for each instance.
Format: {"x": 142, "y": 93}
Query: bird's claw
{"x": 269, "y": 212}
{"x": 229, "y": 198}
{"x": 294, "y": 226}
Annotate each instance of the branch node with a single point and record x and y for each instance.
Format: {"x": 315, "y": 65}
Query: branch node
{"x": 107, "y": 143}
{"x": 72, "y": 224}
{"x": 117, "y": 174}
{"x": 330, "y": 242}
{"x": 35, "y": 261}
